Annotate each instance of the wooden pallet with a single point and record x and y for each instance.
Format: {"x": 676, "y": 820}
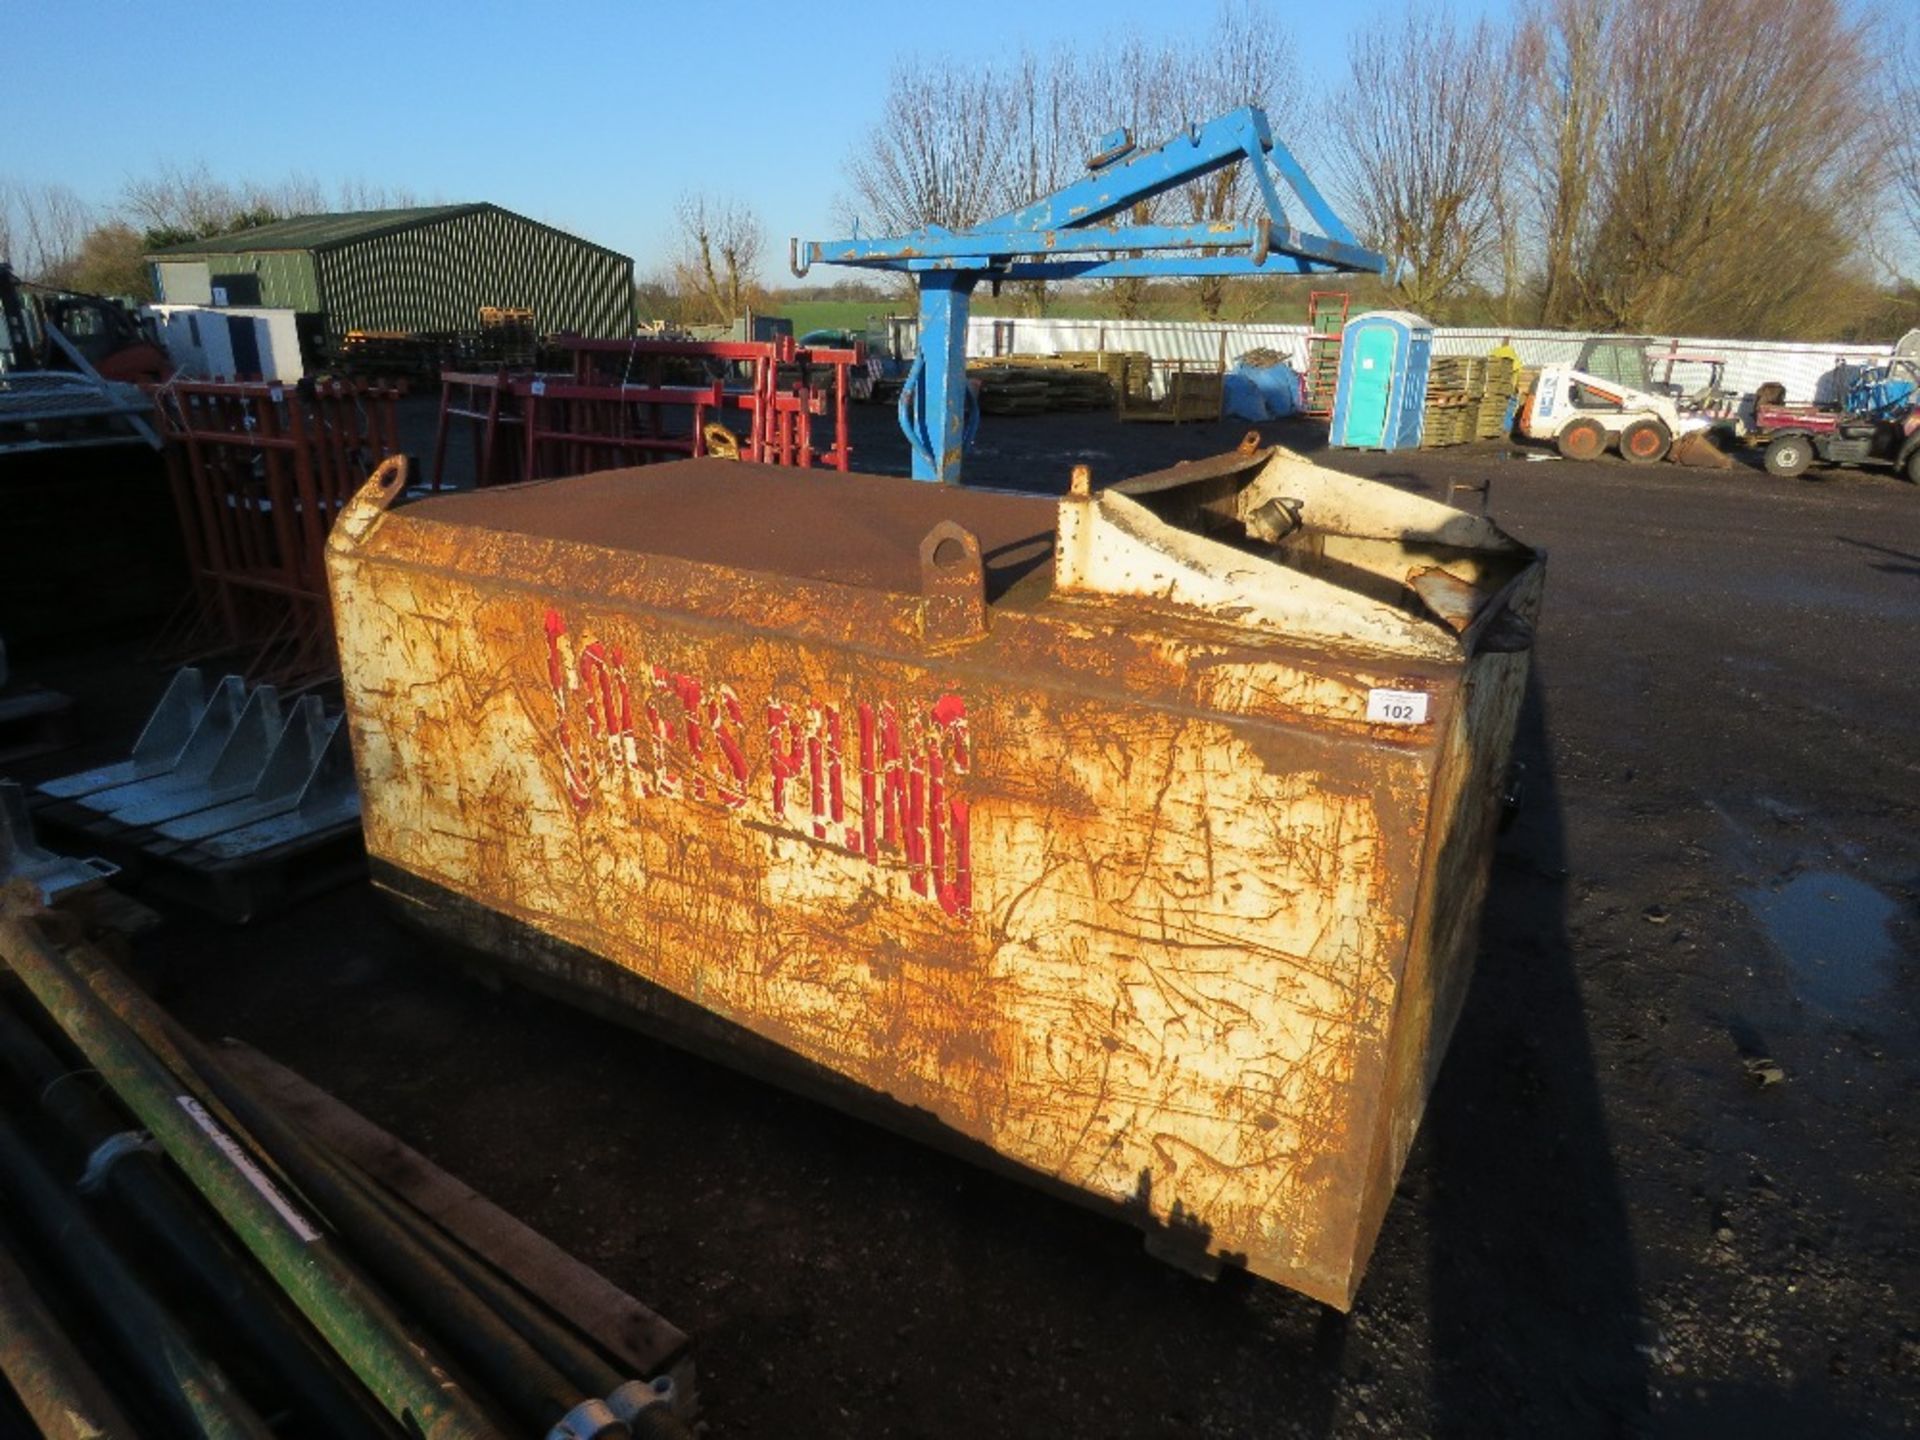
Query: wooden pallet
{"x": 237, "y": 891}
{"x": 1467, "y": 399}
{"x": 1126, "y": 370}
{"x": 1502, "y": 384}
{"x": 1192, "y": 393}
{"x": 1449, "y": 424}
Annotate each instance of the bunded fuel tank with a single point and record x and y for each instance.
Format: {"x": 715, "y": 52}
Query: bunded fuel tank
{"x": 1133, "y": 839}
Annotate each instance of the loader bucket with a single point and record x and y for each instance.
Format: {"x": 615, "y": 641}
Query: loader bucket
{"x": 1697, "y": 450}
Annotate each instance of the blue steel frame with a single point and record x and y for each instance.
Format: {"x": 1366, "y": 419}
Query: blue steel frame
{"x": 1063, "y": 237}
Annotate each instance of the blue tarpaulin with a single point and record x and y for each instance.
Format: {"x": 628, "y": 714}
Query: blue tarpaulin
{"x": 1261, "y": 392}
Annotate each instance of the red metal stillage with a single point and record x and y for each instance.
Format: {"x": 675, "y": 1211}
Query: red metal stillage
{"x": 259, "y": 471}
{"x": 636, "y": 401}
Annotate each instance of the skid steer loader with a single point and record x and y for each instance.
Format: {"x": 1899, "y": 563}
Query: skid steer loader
{"x": 1584, "y": 415}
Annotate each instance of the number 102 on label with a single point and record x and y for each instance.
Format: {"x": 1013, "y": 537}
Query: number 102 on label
{"x": 1397, "y": 707}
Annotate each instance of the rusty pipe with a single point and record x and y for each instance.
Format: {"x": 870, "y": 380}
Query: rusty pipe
{"x": 331, "y": 1292}
{"x": 529, "y": 1387}
{"x": 258, "y": 1316}
{"x": 633, "y": 1401}
{"x": 185, "y": 1382}
{"x": 443, "y": 1291}
{"x": 561, "y": 1348}
{"x": 54, "y": 1384}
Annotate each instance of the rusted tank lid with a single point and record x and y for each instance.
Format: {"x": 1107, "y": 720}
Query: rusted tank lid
{"x": 850, "y": 529}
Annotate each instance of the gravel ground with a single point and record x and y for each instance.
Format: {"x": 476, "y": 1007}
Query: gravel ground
{"x": 1666, "y": 1184}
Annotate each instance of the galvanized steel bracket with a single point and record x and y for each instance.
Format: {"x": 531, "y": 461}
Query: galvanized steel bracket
{"x": 23, "y": 857}
{"x": 108, "y": 1153}
{"x": 638, "y": 1395}
{"x": 589, "y": 1420}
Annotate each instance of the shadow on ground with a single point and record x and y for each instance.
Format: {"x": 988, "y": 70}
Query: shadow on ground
{"x": 1536, "y": 1314}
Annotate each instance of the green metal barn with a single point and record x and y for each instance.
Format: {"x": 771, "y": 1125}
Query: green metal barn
{"x": 425, "y": 270}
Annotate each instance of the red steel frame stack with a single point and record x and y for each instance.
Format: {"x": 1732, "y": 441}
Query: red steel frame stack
{"x": 486, "y": 401}
{"x": 631, "y": 402}
{"x": 259, "y": 471}
{"x": 1326, "y": 328}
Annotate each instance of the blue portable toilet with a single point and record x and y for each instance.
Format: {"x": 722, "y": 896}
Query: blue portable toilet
{"x": 1380, "y": 402}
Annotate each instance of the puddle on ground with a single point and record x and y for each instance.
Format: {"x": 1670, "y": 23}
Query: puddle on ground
{"x": 1832, "y": 929}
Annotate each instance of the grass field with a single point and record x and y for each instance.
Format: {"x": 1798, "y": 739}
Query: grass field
{"x": 1280, "y": 304}
{"x": 852, "y": 314}
{"x": 834, "y": 314}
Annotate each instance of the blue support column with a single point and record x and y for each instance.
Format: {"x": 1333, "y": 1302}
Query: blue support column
{"x": 935, "y": 408}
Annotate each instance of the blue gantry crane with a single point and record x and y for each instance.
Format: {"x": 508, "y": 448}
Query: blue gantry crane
{"x": 1071, "y": 235}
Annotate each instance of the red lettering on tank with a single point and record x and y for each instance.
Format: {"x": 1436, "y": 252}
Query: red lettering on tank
{"x": 869, "y": 838}
{"x": 728, "y": 724}
{"x": 693, "y": 745}
{"x": 784, "y": 748}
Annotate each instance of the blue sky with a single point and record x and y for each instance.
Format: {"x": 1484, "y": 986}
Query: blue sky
{"x": 590, "y": 116}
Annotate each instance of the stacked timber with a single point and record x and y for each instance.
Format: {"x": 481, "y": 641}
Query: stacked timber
{"x": 1448, "y": 422}
{"x": 1126, "y": 369}
{"x": 1503, "y": 376}
{"x": 1453, "y": 385}
{"x": 1035, "y": 384}
{"x": 1456, "y": 377}
{"x": 1004, "y": 390}
{"x": 1467, "y": 399}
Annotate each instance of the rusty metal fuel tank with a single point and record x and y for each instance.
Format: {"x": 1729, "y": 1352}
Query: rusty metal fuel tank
{"x": 1134, "y": 839}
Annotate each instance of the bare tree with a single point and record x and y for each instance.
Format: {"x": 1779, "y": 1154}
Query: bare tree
{"x": 959, "y": 145}
{"x": 1563, "y": 55}
{"x": 1901, "y": 129}
{"x": 1729, "y": 165}
{"x": 1051, "y": 127}
{"x": 1245, "y": 58}
{"x": 360, "y": 193}
{"x": 1137, "y": 87}
{"x": 1509, "y": 239}
{"x": 946, "y": 152}
{"x": 178, "y": 203}
{"x": 1051, "y": 139}
{"x": 1688, "y": 169}
{"x": 719, "y": 260}
{"x": 1420, "y": 157}
{"x": 1153, "y": 90}
{"x": 41, "y": 229}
